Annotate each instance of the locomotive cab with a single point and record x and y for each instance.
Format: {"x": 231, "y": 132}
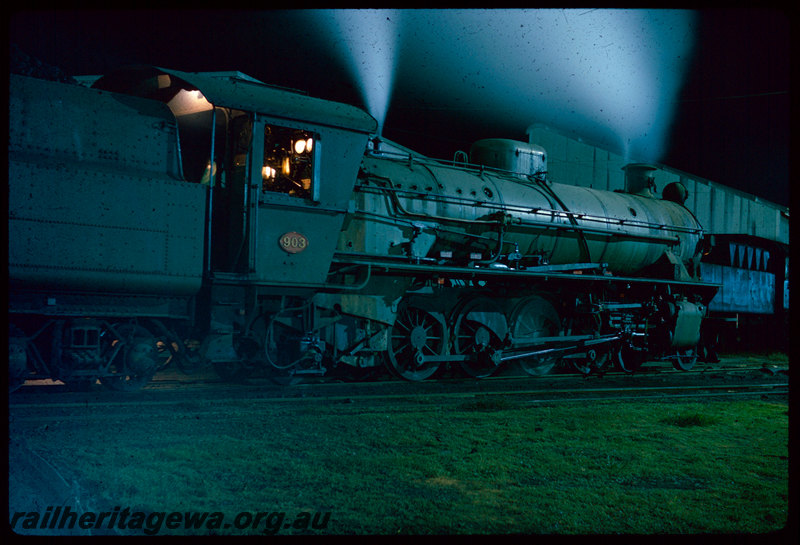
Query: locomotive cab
{"x": 279, "y": 167}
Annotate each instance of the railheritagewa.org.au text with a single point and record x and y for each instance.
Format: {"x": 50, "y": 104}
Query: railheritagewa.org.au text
{"x": 62, "y": 518}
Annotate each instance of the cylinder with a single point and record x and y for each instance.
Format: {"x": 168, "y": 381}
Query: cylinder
{"x": 688, "y": 319}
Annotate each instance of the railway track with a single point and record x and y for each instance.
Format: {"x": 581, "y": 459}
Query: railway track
{"x": 652, "y": 383}
{"x": 172, "y": 378}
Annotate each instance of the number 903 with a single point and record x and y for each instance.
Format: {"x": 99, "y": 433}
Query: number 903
{"x": 293, "y": 242}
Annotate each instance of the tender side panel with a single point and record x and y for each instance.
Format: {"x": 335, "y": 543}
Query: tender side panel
{"x": 94, "y": 199}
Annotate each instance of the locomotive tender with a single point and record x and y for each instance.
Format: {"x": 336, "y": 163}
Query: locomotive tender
{"x": 166, "y": 216}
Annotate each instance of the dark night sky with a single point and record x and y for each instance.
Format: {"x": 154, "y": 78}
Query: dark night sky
{"x": 722, "y": 98}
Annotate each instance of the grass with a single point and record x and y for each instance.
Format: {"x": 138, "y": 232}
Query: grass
{"x": 689, "y": 419}
{"x": 483, "y": 467}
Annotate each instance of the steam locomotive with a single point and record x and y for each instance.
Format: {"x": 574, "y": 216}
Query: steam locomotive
{"x": 160, "y": 216}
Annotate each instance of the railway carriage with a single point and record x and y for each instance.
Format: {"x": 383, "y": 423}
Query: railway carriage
{"x": 163, "y": 216}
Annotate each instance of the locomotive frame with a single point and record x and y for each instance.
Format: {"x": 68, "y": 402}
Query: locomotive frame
{"x": 168, "y": 216}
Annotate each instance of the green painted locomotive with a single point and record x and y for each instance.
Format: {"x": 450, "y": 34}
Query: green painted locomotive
{"x": 161, "y": 216}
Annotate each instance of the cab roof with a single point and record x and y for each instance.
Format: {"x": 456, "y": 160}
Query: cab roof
{"x": 239, "y": 91}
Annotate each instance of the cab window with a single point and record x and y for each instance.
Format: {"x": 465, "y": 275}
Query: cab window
{"x": 288, "y": 165}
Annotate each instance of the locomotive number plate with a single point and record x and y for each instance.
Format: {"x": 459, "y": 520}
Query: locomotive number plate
{"x": 293, "y": 242}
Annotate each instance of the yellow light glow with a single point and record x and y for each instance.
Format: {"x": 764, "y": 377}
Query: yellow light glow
{"x": 267, "y": 173}
{"x": 309, "y": 144}
{"x": 287, "y": 166}
{"x": 208, "y": 173}
{"x": 300, "y": 146}
{"x": 188, "y": 102}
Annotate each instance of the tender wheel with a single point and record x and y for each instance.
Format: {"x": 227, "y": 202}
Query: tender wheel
{"x": 414, "y": 335}
{"x": 685, "y": 360}
{"x": 480, "y": 331}
{"x": 189, "y": 359}
{"x": 185, "y": 354}
{"x": 133, "y": 362}
{"x": 534, "y": 317}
